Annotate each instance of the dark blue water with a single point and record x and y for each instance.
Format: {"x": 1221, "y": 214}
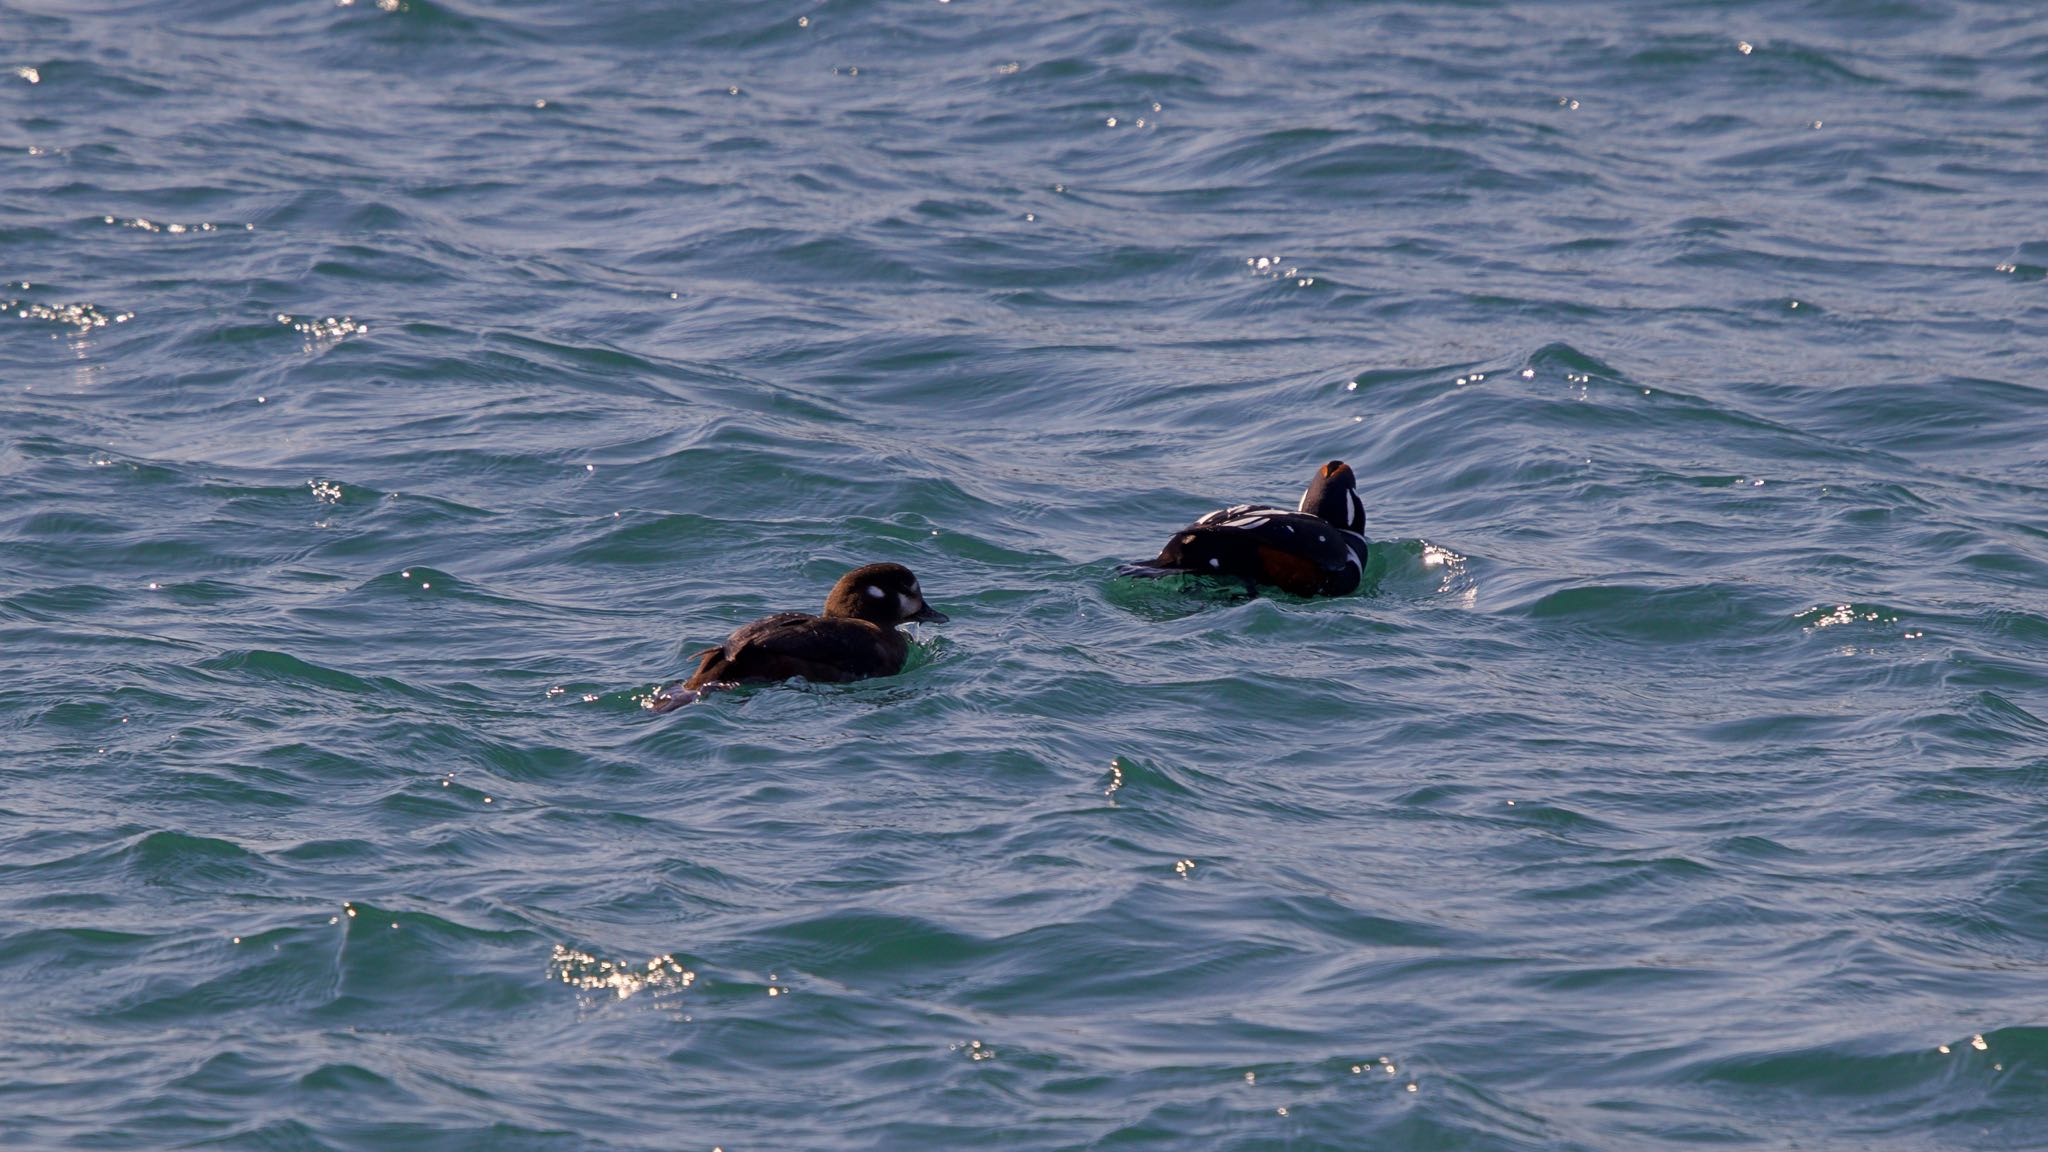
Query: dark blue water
{"x": 394, "y": 393}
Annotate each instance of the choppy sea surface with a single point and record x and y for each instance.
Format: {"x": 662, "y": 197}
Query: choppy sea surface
{"x": 391, "y": 394}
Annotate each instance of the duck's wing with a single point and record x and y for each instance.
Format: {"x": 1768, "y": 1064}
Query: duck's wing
{"x": 1240, "y": 512}
{"x": 1296, "y": 553}
{"x": 823, "y": 650}
{"x": 1170, "y": 558}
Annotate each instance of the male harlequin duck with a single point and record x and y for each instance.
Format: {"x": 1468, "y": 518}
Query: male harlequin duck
{"x": 1316, "y": 550}
{"x": 856, "y": 638}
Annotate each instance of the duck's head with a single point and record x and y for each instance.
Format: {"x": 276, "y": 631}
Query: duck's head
{"x": 884, "y": 594}
{"x": 1333, "y": 496}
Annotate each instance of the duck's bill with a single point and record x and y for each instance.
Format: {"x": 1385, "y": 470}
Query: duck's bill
{"x": 931, "y": 614}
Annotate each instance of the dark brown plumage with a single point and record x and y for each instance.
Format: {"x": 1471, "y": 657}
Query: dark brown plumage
{"x": 855, "y": 639}
{"x": 1317, "y": 549}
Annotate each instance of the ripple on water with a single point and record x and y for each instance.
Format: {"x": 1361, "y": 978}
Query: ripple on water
{"x": 1673, "y": 780}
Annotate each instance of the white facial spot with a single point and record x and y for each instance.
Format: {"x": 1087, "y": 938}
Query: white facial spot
{"x": 1215, "y": 563}
{"x": 875, "y": 590}
{"x": 906, "y": 604}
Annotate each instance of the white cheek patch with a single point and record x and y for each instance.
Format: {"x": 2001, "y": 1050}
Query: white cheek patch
{"x": 906, "y": 604}
{"x": 875, "y": 590}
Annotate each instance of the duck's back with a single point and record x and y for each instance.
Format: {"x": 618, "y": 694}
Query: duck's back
{"x": 821, "y": 649}
{"x": 1289, "y": 550}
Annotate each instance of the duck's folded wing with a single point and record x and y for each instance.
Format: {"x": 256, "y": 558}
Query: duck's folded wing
{"x": 820, "y": 649}
{"x": 1308, "y": 538}
{"x": 1239, "y": 512}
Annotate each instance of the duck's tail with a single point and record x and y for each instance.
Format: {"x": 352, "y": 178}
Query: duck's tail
{"x": 670, "y": 697}
{"x": 674, "y": 695}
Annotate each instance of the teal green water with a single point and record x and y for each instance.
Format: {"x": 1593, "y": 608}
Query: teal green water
{"x": 394, "y": 394}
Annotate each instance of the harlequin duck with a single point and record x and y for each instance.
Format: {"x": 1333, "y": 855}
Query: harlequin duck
{"x": 856, "y": 638}
{"x": 1316, "y": 550}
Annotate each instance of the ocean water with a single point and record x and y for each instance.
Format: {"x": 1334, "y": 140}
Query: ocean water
{"x": 395, "y": 392}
